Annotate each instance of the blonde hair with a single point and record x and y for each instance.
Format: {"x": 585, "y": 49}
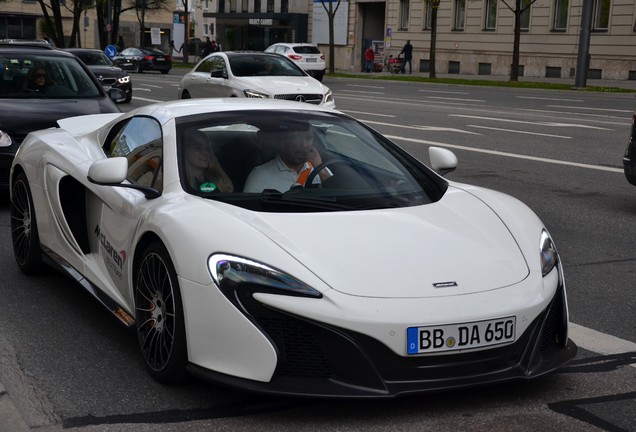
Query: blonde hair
{"x": 214, "y": 171}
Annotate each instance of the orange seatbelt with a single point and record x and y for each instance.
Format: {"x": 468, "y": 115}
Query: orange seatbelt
{"x": 304, "y": 173}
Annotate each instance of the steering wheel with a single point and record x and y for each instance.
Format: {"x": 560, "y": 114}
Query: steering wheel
{"x": 309, "y": 183}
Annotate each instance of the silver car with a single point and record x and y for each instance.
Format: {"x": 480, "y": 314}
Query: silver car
{"x": 253, "y": 75}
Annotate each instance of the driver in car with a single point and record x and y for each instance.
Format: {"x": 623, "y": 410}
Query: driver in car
{"x": 291, "y": 166}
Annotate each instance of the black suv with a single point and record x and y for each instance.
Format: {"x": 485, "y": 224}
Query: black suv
{"x": 40, "y": 85}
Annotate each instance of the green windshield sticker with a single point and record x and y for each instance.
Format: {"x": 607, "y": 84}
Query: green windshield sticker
{"x": 207, "y": 187}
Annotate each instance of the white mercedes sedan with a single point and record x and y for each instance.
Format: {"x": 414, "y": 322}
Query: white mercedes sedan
{"x": 253, "y": 75}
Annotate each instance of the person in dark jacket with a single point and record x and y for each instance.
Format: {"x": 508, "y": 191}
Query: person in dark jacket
{"x": 407, "y": 50}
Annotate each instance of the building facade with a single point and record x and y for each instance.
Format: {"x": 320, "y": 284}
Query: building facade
{"x": 476, "y": 36}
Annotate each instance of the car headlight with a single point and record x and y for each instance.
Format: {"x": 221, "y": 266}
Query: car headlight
{"x": 123, "y": 80}
{"x": 5, "y": 139}
{"x": 549, "y": 255}
{"x": 236, "y": 271}
{"x": 328, "y": 97}
{"x": 254, "y": 94}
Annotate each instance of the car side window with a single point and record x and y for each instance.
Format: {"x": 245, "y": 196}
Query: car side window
{"x": 140, "y": 141}
{"x": 218, "y": 64}
{"x": 205, "y": 66}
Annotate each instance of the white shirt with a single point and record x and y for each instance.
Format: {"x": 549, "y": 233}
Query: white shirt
{"x": 274, "y": 174}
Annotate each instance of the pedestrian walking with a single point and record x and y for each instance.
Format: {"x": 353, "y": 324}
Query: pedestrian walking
{"x": 407, "y": 50}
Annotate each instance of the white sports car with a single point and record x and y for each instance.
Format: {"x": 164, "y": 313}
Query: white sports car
{"x": 372, "y": 276}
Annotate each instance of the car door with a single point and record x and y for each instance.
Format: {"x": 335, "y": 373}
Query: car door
{"x": 114, "y": 213}
{"x": 209, "y": 79}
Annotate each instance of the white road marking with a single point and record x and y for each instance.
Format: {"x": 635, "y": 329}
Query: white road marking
{"x": 506, "y": 154}
{"x": 552, "y": 99}
{"x": 529, "y": 122}
{"x": 146, "y": 100}
{"x": 363, "y": 92}
{"x": 520, "y": 132}
{"x": 151, "y": 85}
{"x": 364, "y": 86}
{"x": 368, "y": 113}
{"x": 443, "y": 91}
{"x": 417, "y": 127}
{"x": 455, "y": 99}
{"x": 142, "y": 89}
{"x": 590, "y": 108}
{"x": 601, "y": 343}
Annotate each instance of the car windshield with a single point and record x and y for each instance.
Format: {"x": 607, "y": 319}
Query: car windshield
{"x": 282, "y": 161}
{"x": 29, "y": 75}
{"x": 263, "y": 65}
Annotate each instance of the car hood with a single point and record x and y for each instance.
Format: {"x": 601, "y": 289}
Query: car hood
{"x": 280, "y": 85}
{"x": 19, "y": 117}
{"x": 108, "y": 71}
{"x": 453, "y": 247}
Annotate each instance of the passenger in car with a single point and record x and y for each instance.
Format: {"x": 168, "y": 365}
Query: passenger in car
{"x": 203, "y": 170}
{"x": 291, "y": 166}
{"x": 38, "y": 79}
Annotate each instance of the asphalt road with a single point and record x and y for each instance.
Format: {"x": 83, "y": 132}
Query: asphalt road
{"x": 67, "y": 364}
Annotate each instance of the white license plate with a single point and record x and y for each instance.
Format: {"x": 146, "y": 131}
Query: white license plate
{"x": 311, "y": 60}
{"x": 160, "y": 59}
{"x": 454, "y": 337}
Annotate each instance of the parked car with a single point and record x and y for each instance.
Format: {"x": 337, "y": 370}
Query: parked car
{"x": 253, "y": 75}
{"x": 40, "y": 85}
{"x": 385, "y": 279}
{"x": 139, "y": 60}
{"x": 629, "y": 159}
{"x": 105, "y": 71}
{"x": 306, "y": 55}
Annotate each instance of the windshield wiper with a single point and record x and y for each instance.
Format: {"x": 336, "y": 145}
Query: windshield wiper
{"x": 273, "y": 196}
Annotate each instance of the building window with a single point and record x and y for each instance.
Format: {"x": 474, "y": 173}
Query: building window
{"x": 206, "y": 6}
{"x": 206, "y": 29}
{"x": 601, "y": 14}
{"x": 428, "y": 12}
{"x": 257, "y": 6}
{"x": 270, "y": 5}
{"x": 525, "y": 15}
{"x": 490, "y": 21}
{"x": 460, "y": 14}
{"x": 284, "y": 6}
{"x": 561, "y": 14}
{"x": 244, "y": 6}
{"x": 404, "y": 14}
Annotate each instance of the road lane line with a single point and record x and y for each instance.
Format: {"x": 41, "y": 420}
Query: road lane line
{"x": 455, "y": 99}
{"x": 600, "y": 343}
{"x": 368, "y": 113}
{"x": 506, "y": 154}
{"x": 540, "y": 123}
{"x": 444, "y": 91}
{"x": 365, "y": 86}
{"x": 552, "y": 99}
{"x": 146, "y": 99}
{"x": 591, "y": 108}
{"x": 520, "y": 132}
{"x": 363, "y": 92}
{"x": 422, "y": 128}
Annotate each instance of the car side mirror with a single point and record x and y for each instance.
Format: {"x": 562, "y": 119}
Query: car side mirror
{"x": 443, "y": 161}
{"x": 218, "y": 73}
{"x": 117, "y": 95}
{"x": 113, "y": 172}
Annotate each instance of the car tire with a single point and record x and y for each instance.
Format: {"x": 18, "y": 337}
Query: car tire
{"x": 319, "y": 76}
{"x": 165, "y": 72}
{"x": 128, "y": 97}
{"x": 159, "y": 316}
{"x": 24, "y": 229}
{"x": 185, "y": 95}
{"x": 136, "y": 68}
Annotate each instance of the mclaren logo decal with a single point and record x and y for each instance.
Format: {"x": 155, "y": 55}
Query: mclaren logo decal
{"x": 118, "y": 258}
{"x": 445, "y": 284}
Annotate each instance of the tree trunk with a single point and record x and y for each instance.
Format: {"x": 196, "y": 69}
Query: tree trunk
{"x": 330, "y": 14}
{"x": 514, "y": 71}
{"x": 431, "y": 59}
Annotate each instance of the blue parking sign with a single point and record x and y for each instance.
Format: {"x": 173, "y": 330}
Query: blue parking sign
{"x": 111, "y": 51}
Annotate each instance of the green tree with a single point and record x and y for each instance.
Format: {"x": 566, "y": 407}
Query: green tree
{"x": 431, "y": 59}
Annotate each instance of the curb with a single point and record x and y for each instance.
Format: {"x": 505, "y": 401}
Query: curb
{"x": 10, "y": 418}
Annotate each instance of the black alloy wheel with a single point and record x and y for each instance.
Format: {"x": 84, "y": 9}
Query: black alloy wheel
{"x": 159, "y": 316}
{"x": 24, "y": 230}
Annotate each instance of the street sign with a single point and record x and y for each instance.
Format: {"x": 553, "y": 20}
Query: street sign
{"x": 111, "y": 51}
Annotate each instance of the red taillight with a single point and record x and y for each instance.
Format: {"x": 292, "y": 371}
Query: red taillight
{"x": 149, "y": 58}
{"x": 295, "y": 57}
